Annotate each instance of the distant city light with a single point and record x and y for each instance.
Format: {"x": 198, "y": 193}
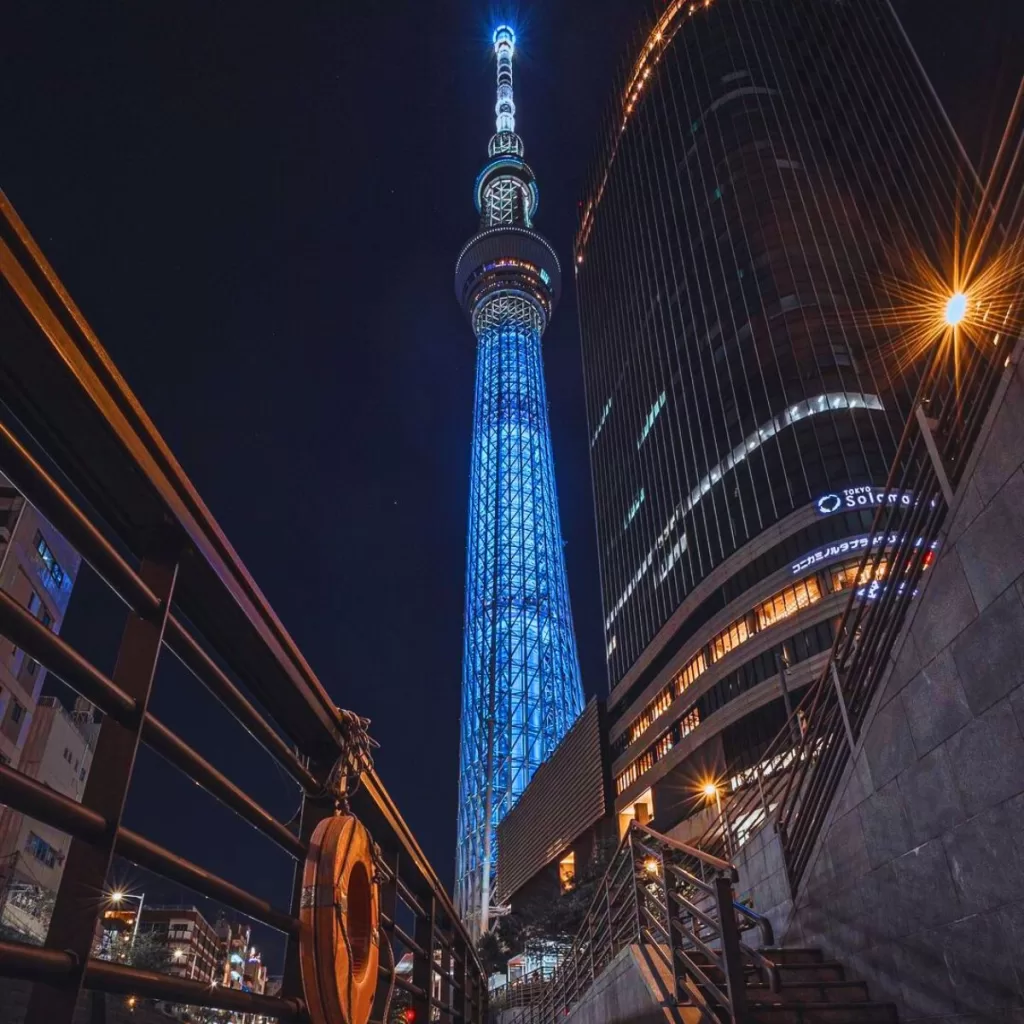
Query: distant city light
{"x": 956, "y": 308}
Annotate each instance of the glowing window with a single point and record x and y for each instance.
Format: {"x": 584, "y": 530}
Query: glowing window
{"x": 567, "y": 871}
{"x": 634, "y": 508}
{"x": 788, "y": 602}
{"x": 728, "y": 639}
{"x": 651, "y": 417}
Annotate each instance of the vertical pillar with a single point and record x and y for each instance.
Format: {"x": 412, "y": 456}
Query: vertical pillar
{"x": 79, "y": 898}
{"x": 731, "y": 955}
{"x": 423, "y": 962}
{"x": 313, "y": 812}
{"x": 388, "y": 903}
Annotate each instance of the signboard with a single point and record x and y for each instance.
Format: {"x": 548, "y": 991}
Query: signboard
{"x": 861, "y": 497}
{"x": 850, "y": 546}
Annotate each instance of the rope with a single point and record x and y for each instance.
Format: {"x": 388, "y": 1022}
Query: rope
{"x": 356, "y": 756}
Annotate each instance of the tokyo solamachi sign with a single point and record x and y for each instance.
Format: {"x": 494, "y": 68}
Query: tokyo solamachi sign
{"x": 861, "y": 497}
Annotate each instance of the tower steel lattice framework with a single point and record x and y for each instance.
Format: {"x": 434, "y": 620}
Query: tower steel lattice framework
{"x": 521, "y": 687}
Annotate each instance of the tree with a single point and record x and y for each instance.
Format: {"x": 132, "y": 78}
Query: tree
{"x": 146, "y": 951}
{"x": 545, "y": 920}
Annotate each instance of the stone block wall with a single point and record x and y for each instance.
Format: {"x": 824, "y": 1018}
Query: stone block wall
{"x": 917, "y": 882}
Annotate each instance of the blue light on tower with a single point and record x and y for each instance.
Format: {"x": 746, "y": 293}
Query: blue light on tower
{"x": 521, "y": 686}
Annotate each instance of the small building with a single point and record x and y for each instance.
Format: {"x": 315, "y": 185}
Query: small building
{"x": 562, "y": 818}
{"x": 38, "y": 568}
{"x": 56, "y": 751}
{"x": 192, "y": 943}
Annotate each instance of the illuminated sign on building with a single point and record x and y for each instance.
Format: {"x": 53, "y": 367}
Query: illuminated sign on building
{"x": 843, "y": 547}
{"x": 861, "y": 497}
{"x": 850, "y": 546}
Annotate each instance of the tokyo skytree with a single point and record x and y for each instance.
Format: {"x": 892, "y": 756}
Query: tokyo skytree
{"x": 521, "y": 687}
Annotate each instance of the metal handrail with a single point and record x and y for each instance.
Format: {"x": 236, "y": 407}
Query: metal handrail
{"x": 77, "y": 444}
{"x": 691, "y": 923}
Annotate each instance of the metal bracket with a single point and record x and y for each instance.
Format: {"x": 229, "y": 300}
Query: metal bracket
{"x": 933, "y": 453}
{"x": 842, "y": 707}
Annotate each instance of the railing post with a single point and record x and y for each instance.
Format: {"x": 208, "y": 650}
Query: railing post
{"x": 671, "y": 916}
{"x": 388, "y": 904}
{"x": 590, "y": 943}
{"x": 79, "y": 897}
{"x": 635, "y": 888}
{"x": 731, "y": 955}
{"x": 423, "y": 964}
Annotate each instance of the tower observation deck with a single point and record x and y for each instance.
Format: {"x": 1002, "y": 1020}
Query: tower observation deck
{"x": 521, "y": 686}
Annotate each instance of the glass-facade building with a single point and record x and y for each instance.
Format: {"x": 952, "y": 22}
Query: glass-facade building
{"x": 769, "y": 169}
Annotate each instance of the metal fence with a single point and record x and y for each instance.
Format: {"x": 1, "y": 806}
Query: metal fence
{"x": 77, "y": 444}
{"x": 795, "y": 781}
{"x": 677, "y": 902}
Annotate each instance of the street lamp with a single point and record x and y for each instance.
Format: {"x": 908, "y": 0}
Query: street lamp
{"x": 118, "y": 896}
{"x": 711, "y": 790}
{"x": 956, "y": 309}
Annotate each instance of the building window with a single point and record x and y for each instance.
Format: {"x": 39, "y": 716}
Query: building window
{"x": 850, "y": 576}
{"x": 729, "y": 639}
{"x": 789, "y": 602}
{"x": 604, "y": 416}
{"x": 651, "y": 417}
{"x": 49, "y": 560}
{"x": 41, "y": 850}
{"x": 17, "y": 711}
{"x": 634, "y": 508}
{"x": 567, "y": 871}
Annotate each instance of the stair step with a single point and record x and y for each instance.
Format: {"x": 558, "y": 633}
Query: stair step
{"x": 810, "y": 992}
{"x": 824, "y": 1013}
{"x": 794, "y": 955}
{"x": 811, "y": 974}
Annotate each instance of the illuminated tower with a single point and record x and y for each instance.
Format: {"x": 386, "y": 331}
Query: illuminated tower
{"x": 520, "y": 678}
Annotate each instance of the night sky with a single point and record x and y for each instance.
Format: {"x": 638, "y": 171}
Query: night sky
{"x": 258, "y": 207}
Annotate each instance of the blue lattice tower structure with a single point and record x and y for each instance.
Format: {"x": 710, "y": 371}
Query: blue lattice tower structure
{"x": 521, "y": 686}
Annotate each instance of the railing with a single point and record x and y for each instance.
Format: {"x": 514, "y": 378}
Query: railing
{"x": 678, "y": 902}
{"x": 76, "y": 443}
{"x": 795, "y": 782}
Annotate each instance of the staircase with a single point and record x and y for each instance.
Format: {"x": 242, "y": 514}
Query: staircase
{"x": 665, "y": 941}
{"x": 810, "y": 990}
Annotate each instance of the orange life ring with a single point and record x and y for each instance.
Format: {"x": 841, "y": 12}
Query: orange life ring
{"x": 338, "y": 923}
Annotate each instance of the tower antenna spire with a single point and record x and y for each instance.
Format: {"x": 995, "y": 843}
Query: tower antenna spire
{"x": 504, "y": 139}
{"x": 505, "y": 108}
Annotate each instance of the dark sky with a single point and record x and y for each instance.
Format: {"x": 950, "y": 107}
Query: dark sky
{"x": 258, "y": 207}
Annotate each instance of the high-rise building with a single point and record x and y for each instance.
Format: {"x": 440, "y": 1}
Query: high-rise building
{"x": 37, "y": 569}
{"x": 521, "y": 686}
{"x": 770, "y": 171}
{"x": 57, "y": 753}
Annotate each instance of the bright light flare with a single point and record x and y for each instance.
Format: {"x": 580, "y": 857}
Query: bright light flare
{"x": 651, "y": 866}
{"x": 956, "y": 308}
{"x": 710, "y": 790}
{"x": 116, "y": 896}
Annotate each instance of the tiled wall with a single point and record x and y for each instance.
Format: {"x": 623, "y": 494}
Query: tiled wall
{"x": 917, "y": 883}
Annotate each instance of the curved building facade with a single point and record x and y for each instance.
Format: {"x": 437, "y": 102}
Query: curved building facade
{"x": 768, "y": 170}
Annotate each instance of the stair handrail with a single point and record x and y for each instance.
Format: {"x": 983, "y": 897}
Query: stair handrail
{"x": 678, "y": 902}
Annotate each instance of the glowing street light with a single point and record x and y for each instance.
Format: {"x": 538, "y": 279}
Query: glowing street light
{"x": 117, "y": 897}
{"x": 651, "y": 866}
{"x": 712, "y": 791}
{"x": 956, "y": 309}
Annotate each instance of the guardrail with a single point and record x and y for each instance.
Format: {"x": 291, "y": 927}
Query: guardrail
{"x": 76, "y": 443}
{"x": 678, "y": 902}
{"x": 795, "y": 782}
